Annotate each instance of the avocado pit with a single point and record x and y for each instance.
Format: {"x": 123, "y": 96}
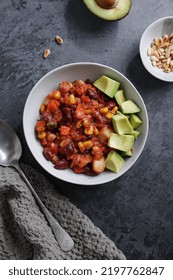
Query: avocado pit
{"x": 107, "y": 4}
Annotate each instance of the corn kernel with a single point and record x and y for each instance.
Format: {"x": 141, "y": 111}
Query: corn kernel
{"x": 86, "y": 123}
{"x": 57, "y": 94}
{"x": 89, "y": 130}
{"x": 114, "y": 110}
{"x": 88, "y": 144}
{"x": 104, "y": 110}
{"x": 96, "y": 132}
{"x": 109, "y": 115}
{"x": 72, "y": 99}
{"x": 81, "y": 146}
{"x": 79, "y": 124}
{"x": 41, "y": 135}
{"x": 62, "y": 144}
{"x": 42, "y": 108}
{"x": 88, "y": 111}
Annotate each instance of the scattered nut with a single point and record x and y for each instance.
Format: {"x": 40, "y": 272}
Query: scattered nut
{"x": 59, "y": 40}
{"x": 161, "y": 53}
{"x": 46, "y": 53}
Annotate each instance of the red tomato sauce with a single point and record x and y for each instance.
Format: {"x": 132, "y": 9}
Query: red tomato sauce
{"x": 74, "y": 127}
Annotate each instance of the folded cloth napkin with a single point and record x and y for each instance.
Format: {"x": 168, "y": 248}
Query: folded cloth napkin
{"x": 24, "y": 232}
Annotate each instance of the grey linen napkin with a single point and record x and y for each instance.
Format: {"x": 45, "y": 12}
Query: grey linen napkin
{"x": 24, "y": 232}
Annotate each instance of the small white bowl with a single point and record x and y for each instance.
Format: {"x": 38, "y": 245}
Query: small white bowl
{"x": 155, "y": 30}
{"x": 71, "y": 72}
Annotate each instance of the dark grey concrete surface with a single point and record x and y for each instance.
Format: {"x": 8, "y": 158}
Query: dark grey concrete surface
{"x": 136, "y": 210}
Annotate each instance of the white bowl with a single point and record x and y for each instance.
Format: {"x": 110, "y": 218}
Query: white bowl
{"x": 70, "y": 73}
{"x": 155, "y": 30}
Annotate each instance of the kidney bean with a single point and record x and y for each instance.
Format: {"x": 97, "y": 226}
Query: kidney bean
{"x": 88, "y": 81}
{"x": 70, "y": 149}
{"x": 92, "y": 94}
{"x": 47, "y": 153}
{"x": 98, "y": 116}
{"x": 62, "y": 150}
{"x": 111, "y": 104}
{"x": 46, "y": 116}
{"x": 89, "y": 171}
{"x": 62, "y": 164}
{"x": 67, "y": 113}
{"x": 58, "y": 115}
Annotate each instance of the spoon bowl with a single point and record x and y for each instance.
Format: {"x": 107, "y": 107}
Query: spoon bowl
{"x": 11, "y": 150}
{"x": 10, "y": 153}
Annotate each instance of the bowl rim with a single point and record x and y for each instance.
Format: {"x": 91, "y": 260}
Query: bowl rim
{"x": 76, "y": 64}
{"x": 141, "y": 45}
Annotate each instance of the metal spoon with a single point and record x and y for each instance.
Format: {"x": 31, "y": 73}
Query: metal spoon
{"x": 10, "y": 153}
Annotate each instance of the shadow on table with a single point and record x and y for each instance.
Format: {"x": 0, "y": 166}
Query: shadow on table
{"x": 140, "y": 77}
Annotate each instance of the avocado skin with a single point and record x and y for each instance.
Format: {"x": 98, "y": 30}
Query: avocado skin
{"x": 127, "y": 154}
{"x": 98, "y": 11}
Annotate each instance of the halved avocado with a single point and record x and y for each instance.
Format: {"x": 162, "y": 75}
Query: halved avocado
{"x": 121, "y": 9}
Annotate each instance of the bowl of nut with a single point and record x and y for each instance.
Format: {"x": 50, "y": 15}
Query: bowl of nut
{"x": 85, "y": 123}
{"x": 156, "y": 49}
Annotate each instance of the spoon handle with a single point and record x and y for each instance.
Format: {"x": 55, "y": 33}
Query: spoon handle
{"x": 65, "y": 241}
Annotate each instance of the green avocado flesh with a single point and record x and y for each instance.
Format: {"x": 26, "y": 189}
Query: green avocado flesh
{"x": 135, "y": 133}
{"x": 118, "y": 12}
{"x": 127, "y": 154}
{"x": 114, "y": 161}
{"x": 129, "y": 107}
{"x": 121, "y": 124}
{"x": 135, "y": 121}
{"x": 119, "y": 96}
{"x": 122, "y": 143}
{"x": 124, "y": 123}
{"x": 107, "y": 85}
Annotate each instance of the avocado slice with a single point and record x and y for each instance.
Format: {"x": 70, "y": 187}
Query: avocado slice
{"x": 135, "y": 133}
{"x": 121, "y": 142}
{"x": 107, "y": 85}
{"x": 127, "y": 154}
{"x": 121, "y": 124}
{"x": 135, "y": 120}
{"x": 119, "y": 96}
{"x": 121, "y": 9}
{"x": 121, "y": 114}
{"x": 129, "y": 107}
{"x": 114, "y": 161}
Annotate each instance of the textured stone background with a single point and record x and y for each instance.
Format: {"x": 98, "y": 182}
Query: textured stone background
{"x": 135, "y": 211}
